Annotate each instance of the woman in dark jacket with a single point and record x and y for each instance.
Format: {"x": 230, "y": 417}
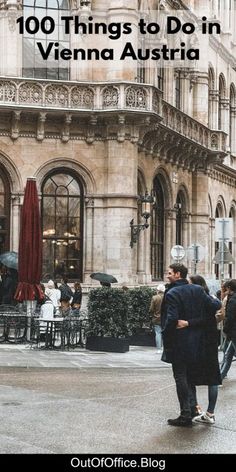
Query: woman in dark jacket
{"x": 230, "y": 328}
{"x": 77, "y": 299}
{"x": 206, "y": 372}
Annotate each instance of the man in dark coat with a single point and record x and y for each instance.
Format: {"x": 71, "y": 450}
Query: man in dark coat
{"x": 183, "y": 347}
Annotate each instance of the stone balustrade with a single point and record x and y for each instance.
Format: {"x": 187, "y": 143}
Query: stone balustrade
{"x": 31, "y": 94}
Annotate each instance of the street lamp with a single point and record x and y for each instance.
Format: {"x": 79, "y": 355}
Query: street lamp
{"x": 146, "y": 201}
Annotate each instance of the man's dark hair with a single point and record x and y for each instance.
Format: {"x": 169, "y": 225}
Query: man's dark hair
{"x": 179, "y": 268}
{"x": 232, "y": 285}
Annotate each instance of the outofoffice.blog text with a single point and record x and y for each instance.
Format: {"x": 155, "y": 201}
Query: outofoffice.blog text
{"x": 119, "y": 462}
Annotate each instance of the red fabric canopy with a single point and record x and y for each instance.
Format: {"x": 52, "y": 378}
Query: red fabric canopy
{"x": 30, "y": 247}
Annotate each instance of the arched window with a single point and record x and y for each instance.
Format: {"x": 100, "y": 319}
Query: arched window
{"x": 4, "y": 212}
{"x": 219, "y": 213}
{"x": 33, "y": 63}
{"x": 62, "y": 222}
{"x": 157, "y": 232}
{"x": 221, "y": 97}
{"x": 231, "y": 215}
{"x": 160, "y": 78}
{"x": 179, "y": 220}
{"x": 177, "y": 89}
{"x": 211, "y": 87}
{"x": 232, "y": 121}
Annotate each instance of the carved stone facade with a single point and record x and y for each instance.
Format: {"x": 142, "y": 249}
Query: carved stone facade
{"x": 119, "y": 138}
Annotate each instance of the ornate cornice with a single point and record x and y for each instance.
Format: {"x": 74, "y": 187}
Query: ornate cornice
{"x": 224, "y": 174}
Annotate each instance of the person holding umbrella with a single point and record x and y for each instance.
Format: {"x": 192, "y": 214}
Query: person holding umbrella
{"x": 9, "y": 284}
{"x": 105, "y": 279}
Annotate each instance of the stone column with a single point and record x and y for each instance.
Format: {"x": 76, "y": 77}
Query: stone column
{"x": 144, "y": 254}
{"x": 213, "y": 109}
{"x": 200, "y": 102}
{"x": 185, "y": 102}
{"x": 119, "y": 207}
{"x": 122, "y": 11}
{"x": 224, "y": 110}
{"x": 200, "y": 217}
{"x": 233, "y": 131}
{"x": 169, "y": 242}
{"x": 10, "y": 41}
{"x": 15, "y": 222}
{"x": 226, "y": 16}
{"x": 211, "y": 246}
{"x": 214, "y": 8}
{"x": 88, "y": 239}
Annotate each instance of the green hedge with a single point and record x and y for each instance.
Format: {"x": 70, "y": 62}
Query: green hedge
{"x": 139, "y": 300}
{"x": 118, "y": 313}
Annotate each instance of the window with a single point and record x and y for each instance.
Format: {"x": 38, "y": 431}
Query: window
{"x": 231, "y": 215}
{"x": 221, "y": 98}
{"x": 4, "y": 212}
{"x": 160, "y": 78}
{"x": 33, "y": 63}
{"x": 179, "y": 221}
{"x": 232, "y": 132}
{"x": 217, "y": 246}
{"x": 62, "y": 212}
{"x": 157, "y": 232}
{"x": 177, "y": 89}
{"x": 141, "y": 72}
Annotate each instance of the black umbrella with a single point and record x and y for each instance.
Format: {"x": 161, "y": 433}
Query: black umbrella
{"x": 104, "y": 278}
{"x": 9, "y": 259}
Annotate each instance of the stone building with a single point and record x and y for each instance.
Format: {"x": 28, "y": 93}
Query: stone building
{"x": 96, "y": 138}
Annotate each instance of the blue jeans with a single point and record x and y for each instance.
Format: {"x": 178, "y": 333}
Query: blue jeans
{"x": 228, "y": 357}
{"x": 158, "y": 337}
{"x": 212, "y": 397}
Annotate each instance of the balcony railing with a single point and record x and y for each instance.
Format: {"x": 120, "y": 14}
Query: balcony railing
{"x": 76, "y": 96}
{"x": 127, "y": 97}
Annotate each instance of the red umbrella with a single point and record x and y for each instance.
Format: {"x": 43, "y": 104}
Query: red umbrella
{"x": 30, "y": 247}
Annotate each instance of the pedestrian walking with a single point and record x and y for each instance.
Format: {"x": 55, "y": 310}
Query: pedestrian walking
{"x": 155, "y": 310}
{"x": 206, "y": 372}
{"x": 182, "y": 347}
{"x": 230, "y": 328}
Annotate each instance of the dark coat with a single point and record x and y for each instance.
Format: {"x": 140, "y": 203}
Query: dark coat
{"x": 66, "y": 292}
{"x": 230, "y": 318}
{"x": 191, "y": 303}
{"x": 9, "y": 284}
{"x": 77, "y": 297}
{"x": 207, "y": 370}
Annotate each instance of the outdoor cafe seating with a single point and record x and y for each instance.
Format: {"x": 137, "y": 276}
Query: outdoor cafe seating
{"x": 13, "y": 324}
{"x": 58, "y": 333}
{"x": 53, "y": 333}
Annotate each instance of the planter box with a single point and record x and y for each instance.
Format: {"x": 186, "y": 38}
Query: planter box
{"x": 107, "y": 344}
{"x": 142, "y": 339}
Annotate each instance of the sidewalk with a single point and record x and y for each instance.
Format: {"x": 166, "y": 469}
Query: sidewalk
{"x": 75, "y": 402}
{"x": 23, "y": 355}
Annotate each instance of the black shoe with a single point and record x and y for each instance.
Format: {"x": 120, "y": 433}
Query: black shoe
{"x": 180, "y": 421}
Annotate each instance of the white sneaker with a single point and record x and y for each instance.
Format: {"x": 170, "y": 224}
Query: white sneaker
{"x": 204, "y": 418}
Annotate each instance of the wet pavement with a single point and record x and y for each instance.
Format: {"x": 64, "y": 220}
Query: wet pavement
{"x": 80, "y": 401}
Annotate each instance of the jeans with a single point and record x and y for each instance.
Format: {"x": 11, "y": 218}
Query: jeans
{"x": 185, "y": 392}
{"x": 158, "y": 337}
{"x": 228, "y": 357}
{"x": 212, "y": 397}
